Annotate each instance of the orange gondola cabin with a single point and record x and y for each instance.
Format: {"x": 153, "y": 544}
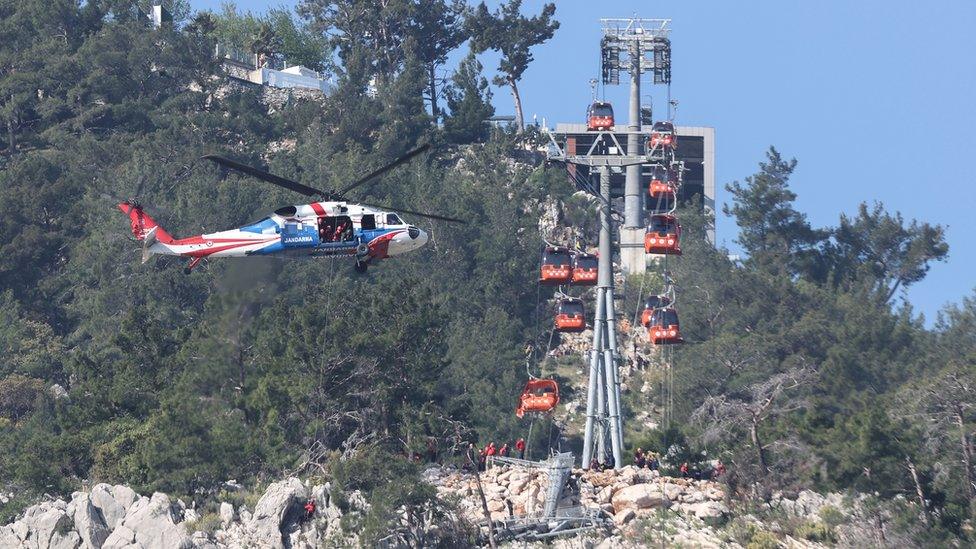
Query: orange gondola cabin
{"x": 586, "y": 269}
{"x": 664, "y": 327}
{"x": 663, "y": 235}
{"x": 664, "y": 182}
{"x": 538, "y": 397}
{"x": 570, "y": 315}
{"x": 557, "y": 266}
{"x": 651, "y": 304}
{"x": 599, "y": 116}
{"x": 662, "y": 135}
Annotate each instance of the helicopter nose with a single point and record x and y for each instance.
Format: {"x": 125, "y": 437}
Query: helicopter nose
{"x": 418, "y": 236}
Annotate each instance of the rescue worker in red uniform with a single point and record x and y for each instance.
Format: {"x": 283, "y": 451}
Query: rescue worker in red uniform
{"x": 520, "y": 448}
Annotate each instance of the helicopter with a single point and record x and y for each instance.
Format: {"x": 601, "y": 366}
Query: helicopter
{"x": 330, "y": 227}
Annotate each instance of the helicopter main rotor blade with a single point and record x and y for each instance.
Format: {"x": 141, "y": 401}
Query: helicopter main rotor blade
{"x": 418, "y": 214}
{"x": 265, "y": 176}
{"x": 380, "y": 171}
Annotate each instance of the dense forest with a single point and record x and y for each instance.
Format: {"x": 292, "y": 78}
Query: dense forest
{"x": 804, "y": 368}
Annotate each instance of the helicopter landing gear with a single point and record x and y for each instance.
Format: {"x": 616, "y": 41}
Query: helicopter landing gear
{"x": 361, "y": 267}
{"x": 193, "y": 263}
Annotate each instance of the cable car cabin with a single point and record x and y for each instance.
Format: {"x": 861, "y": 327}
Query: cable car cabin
{"x": 586, "y": 269}
{"x": 651, "y": 304}
{"x": 570, "y": 316}
{"x": 662, "y": 182}
{"x": 663, "y": 235}
{"x": 538, "y": 397}
{"x": 599, "y": 116}
{"x": 664, "y": 327}
{"x": 556, "y": 266}
{"x": 662, "y": 135}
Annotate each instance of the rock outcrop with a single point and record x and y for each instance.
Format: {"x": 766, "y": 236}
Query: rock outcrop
{"x": 640, "y": 508}
{"x": 116, "y": 517}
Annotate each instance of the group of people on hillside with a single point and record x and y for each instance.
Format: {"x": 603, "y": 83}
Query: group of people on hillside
{"x": 651, "y": 460}
{"x": 646, "y": 460}
{"x": 503, "y": 451}
{"x": 702, "y": 473}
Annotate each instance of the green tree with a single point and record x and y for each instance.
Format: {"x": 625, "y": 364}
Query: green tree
{"x": 878, "y": 250}
{"x": 513, "y": 35}
{"x": 436, "y": 29}
{"x": 469, "y": 101}
{"x": 771, "y": 231}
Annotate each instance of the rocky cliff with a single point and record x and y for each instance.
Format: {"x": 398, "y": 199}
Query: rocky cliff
{"x": 639, "y": 508}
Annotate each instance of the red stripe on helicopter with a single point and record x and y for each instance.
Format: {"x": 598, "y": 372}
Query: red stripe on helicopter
{"x": 319, "y": 210}
{"x": 379, "y": 247}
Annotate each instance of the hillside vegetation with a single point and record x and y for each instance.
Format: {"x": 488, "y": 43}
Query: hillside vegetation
{"x": 804, "y": 368}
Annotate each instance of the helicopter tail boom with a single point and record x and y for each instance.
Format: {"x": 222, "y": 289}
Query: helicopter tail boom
{"x": 144, "y": 228}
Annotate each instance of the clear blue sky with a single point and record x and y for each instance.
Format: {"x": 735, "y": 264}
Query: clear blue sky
{"x": 875, "y": 98}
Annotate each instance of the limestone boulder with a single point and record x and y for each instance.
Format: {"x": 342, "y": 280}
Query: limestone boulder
{"x": 156, "y": 524}
{"x": 280, "y": 505}
{"x": 624, "y": 516}
{"x": 639, "y": 496}
{"x": 121, "y": 537}
{"x": 88, "y": 521}
{"x": 49, "y": 526}
{"x": 124, "y": 496}
{"x": 112, "y": 511}
{"x": 227, "y": 514}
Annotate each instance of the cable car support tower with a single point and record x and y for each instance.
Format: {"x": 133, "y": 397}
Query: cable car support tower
{"x": 604, "y": 421}
{"x": 636, "y": 46}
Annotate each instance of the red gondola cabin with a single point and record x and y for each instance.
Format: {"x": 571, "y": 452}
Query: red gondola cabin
{"x": 570, "y": 316}
{"x": 651, "y": 304}
{"x": 556, "y": 266}
{"x": 599, "y": 116}
{"x": 660, "y": 183}
{"x": 586, "y": 269}
{"x": 539, "y": 396}
{"x": 663, "y": 235}
{"x": 664, "y": 327}
{"x": 662, "y": 135}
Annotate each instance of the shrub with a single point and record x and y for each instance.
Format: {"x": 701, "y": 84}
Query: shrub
{"x": 816, "y": 531}
{"x": 208, "y": 523}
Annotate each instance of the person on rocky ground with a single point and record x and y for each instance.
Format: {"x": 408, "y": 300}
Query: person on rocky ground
{"x": 490, "y": 451}
{"x": 431, "y": 450}
{"x": 684, "y": 470}
{"x": 594, "y": 465}
{"x": 503, "y": 451}
{"x": 639, "y": 459}
{"x": 309, "y": 508}
{"x": 520, "y": 448}
{"x": 719, "y": 468}
{"x": 482, "y": 458}
{"x": 653, "y": 463}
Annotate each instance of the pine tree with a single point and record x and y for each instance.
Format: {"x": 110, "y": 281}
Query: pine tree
{"x": 469, "y": 100}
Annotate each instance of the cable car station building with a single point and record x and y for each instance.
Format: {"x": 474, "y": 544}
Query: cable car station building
{"x": 696, "y": 148}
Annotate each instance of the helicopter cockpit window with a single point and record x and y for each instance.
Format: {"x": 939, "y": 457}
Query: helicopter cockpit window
{"x": 392, "y": 219}
{"x": 368, "y": 222}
